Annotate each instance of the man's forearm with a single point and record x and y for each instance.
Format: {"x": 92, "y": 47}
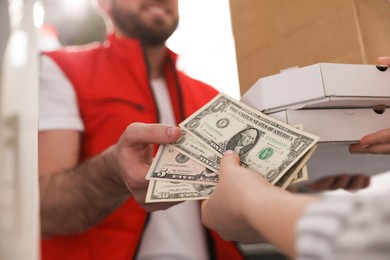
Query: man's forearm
{"x": 76, "y": 199}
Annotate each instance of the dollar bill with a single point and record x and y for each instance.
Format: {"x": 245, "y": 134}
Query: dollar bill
{"x": 302, "y": 175}
{"x": 264, "y": 144}
{"x": 172, "y": 165}
{"x": 192, "y": 147}
{"x": 163, "y": 191}
{"x": 293, "y": 172}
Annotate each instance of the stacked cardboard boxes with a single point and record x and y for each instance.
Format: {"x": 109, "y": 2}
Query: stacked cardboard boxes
{"x": 340, "y": 103}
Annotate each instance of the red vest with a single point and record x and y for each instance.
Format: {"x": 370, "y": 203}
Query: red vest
{"x": 112, "y": 85}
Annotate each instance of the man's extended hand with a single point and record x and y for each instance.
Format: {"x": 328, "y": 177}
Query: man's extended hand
{"x": 132, "y": 156}
{"x": 90, "y": 191}
{"x": 375, "y": 143}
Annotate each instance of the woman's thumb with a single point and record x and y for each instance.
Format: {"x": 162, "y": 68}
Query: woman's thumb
{"x": 229, "y": 159}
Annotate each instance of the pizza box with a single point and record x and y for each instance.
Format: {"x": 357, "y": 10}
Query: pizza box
{"x": 322, "y": 85}
{"x": 332, "y": 159}
{"x": 337, "y": 125}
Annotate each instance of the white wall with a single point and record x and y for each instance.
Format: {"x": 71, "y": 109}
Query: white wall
{"x": 205, "y": 44}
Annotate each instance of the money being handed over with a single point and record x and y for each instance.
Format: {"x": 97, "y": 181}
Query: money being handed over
{"x": 272, "y": 148}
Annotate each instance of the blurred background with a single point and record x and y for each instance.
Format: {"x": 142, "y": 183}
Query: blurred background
{"x": 204, "y": 36}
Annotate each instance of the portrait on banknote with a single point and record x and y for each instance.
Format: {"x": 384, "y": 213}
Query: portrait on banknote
{"x": 243, "y": 141}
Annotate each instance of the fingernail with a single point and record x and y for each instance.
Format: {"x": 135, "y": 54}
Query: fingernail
{"x": 365, "y": 145}
{"x": 171, "y": 130}
{"x": 382, "y": 58}
{"x": 228, "y": 152}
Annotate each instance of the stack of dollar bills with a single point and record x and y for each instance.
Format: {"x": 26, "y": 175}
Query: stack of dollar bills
{"x": 188, "y": 169}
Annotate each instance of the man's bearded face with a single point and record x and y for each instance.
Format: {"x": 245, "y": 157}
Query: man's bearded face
{"x": 153, "y": 21}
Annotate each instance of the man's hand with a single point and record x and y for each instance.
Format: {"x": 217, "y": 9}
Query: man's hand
{"x": 75, "y": 197}
{"x": 132, "y": 157}
{"x": 343, "y": 181}
{"x": 375, "y": 143}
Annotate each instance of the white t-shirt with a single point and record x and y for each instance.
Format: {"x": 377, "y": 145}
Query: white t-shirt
{"x": 175, "y": 233}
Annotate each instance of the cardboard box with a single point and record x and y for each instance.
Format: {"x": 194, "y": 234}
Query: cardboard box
{"x": 321, "y": 85}
{"x": 271, "y": 35}
{"x": 337, "y": 125}
{"x": 332, "y": 159}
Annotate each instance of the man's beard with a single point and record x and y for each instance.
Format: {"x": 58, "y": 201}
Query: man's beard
{"x": 130, "y": 25}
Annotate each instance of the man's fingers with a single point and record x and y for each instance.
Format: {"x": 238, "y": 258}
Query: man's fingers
{"x": 367, "y": 182}
{"x": 358, "y": 182}
{"x": 347, "y": 181}
{"x": 379, "y": 149}
{"x": 374, "y": 149}
{"x": 138, "y": 135}
{"x": 356, "y": 148}
{"x": 322, "y": 184}
{"x": 377, "y": 143}
{"x": 383, "y": 60}
{"x": 342, "y": 182}
{"x": 380, "y": 137}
